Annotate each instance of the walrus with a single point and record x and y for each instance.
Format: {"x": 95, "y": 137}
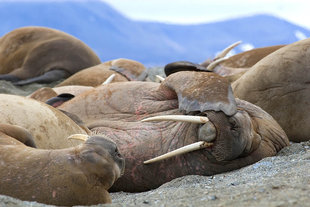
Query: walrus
{"x": 124, "y": 70}
{"x": 42, "y": 55}
{"x": 45, "y": 93}
{"x": 78, "y": 175}
{"x": 279, "y": 83}
{"x": 232, "y": 67}
{"x": 231, "y": 132}
{"x": 48, "y": 125}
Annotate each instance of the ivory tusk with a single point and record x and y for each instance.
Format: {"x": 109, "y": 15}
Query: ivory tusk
{"x": 82, "y": 137}
{"x": 227, "y": 50}
{"x": 184, "y": 118}
{"x": 212, "y": 65}
{"x": 160, "y": 78}
{"x": 109, "y": 79}
{"x": 182, "y": 150}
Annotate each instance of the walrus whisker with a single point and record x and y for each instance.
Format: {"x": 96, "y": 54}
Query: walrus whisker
{"x": 227, "y": 50}
{"x": 82, "y": 137}
{"x": 160, "y": 78}
{"x": 184, "y": 118}
{"x": 182, "y": 150}
{"x": 212, "y": 65}
{"x": 109, "y": 79}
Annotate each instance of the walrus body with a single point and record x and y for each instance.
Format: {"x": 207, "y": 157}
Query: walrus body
{"x": 123, "y": 69}
{"x": 232, "y": 68}
{"x": 43, "y": 55}
{"x": 48, "y": 126}
{"x": 279, "y": 83}
{"x": 45, "y": 93}
{"x": 79, "y": 175}
{"x": 242, "y": 132}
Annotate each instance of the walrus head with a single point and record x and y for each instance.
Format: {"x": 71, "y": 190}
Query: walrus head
{"x": 93, "y": 150}
{"x": 79, "y": 175}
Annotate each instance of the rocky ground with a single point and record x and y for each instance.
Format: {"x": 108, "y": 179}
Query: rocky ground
{"x": 283, "y": 180}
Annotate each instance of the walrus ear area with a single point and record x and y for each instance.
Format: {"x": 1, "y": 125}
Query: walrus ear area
{"x": 18, "y": 133}
{"x": 183, "y": 66}
{"x": 199, "y": 91}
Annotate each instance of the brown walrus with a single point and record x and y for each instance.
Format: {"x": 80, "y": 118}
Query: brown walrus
{"x": 48, "y": 126}
{"x": 45, "y": 93}
{"x": 232, "y": 68}
{"x": 279, "y": 83}
{"x": 43, "y": 55}
{"x": 79, "y": 175}
{"x": 233, "y": 133}
{"x": 124, "y": 70}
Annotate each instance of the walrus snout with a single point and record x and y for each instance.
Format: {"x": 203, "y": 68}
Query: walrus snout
{"x": 235, "y": 135}
{"x": 109, "y": 146}
{"x": 207, "y": 132}
{"x": 103, "y": 156}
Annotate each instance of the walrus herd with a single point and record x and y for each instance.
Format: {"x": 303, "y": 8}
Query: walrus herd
{"x": 106, "y": 127}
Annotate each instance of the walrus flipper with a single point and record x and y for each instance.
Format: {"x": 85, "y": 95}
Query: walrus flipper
{"x": 9, "y": 77}
{"x": 48, "y": 77}
{"x": 19, "y": 133}
{"x": 183, "y": 66}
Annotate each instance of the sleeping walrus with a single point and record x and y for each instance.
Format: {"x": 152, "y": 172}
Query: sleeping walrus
{"x": 123, "y": 69}
{"x": 42, "y": 55}
{"x": 48, "y": 126}
{"x": 229, "y": 132}
{"x": 279, "y": 83}
{"x": 78, "y": 175}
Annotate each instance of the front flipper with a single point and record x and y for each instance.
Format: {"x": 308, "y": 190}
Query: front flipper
{"x": 48, "y": 77}
{"x": 200, "y": 91}
{"x": 9, "y": 77}
{"x": 18, "y": 133}
{"x": 183, "y": 66}
{"x": 60, "y": 99}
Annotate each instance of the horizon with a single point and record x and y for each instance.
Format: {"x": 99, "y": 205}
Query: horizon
{"x": 194, "y": 11}
{"x": 186, "y": 12}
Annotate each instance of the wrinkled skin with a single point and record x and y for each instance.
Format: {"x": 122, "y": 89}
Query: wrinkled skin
{"x": 244, "y": 132}
{"x": 79, "y": 175}
{"x": 42, "y": 55}
{"x": 124, "y": 70}
{"x": 279, "y": 84}
{"x": 48, "y": 126}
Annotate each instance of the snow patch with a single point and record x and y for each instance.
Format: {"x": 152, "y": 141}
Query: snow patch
{"x": 300, "y": 35}
{"x": 246, "y": 47}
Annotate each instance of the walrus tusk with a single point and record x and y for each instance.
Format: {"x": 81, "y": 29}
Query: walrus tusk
{"x": 212, "y": 65}
{"x": 82, "y": 137}
{"x": 227, "y": 50}
{"x": 160, "y": 78}
{"x": 182, "y": 150}
{"x": 109, "y": 79}
{"x": 185, "y": 118}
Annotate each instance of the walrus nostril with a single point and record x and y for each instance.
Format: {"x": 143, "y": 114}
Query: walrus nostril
{"x": 207, "y": 132}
